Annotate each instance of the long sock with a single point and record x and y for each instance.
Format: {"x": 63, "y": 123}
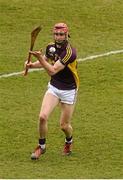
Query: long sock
{"x": 42, "y": 143}
{"x": 69, "y": 140}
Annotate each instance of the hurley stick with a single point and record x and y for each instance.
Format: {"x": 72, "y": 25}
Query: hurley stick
{"x": 34, "y": 34}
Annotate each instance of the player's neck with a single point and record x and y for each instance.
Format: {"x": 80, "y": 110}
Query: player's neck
{"x": 62, "y": 45}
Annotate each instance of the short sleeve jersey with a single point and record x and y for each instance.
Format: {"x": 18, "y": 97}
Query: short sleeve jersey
{"x": 67, "y": 78}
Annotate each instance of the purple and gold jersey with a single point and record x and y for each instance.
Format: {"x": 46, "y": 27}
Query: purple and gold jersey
{"x": 67, "y": 78}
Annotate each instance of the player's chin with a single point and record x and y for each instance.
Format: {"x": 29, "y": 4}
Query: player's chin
{"x": 60, "y": 42}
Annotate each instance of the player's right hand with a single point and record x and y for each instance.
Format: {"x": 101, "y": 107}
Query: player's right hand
{"x": 27, "y": 65}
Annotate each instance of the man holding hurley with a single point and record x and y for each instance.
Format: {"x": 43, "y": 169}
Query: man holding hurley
{"x": 60, "y": 63}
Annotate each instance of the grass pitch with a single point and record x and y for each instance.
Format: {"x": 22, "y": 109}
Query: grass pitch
{"x": 95, "y": 28}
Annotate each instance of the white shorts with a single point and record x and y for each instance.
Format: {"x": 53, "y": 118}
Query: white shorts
{"x": 65, "y": 96}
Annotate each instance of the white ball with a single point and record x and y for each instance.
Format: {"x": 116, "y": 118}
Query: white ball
{"x": 52, "y": 49}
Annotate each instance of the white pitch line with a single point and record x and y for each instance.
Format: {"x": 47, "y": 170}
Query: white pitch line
{"x": 101, "y": 55}
{"x": 19, "y": 73}
{"x": 79, "y": 60}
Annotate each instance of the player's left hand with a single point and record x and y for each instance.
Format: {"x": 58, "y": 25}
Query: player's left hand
{"x": 37, "y": 54}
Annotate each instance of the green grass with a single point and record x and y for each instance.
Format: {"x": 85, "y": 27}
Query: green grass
{"x": 95, "y": 28}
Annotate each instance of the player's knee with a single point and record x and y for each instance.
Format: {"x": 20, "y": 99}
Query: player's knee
{"x": 43, "y": 118}
{"x": 63, "y": 126}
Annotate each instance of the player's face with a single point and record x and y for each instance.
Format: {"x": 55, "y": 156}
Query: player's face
{"x": 59, "y": 36}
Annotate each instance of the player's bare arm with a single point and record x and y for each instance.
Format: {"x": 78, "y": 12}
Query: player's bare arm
{"x": 51, "y": 69}
{"x": 30, "y": 65}
{"x": 35, "y": 64}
